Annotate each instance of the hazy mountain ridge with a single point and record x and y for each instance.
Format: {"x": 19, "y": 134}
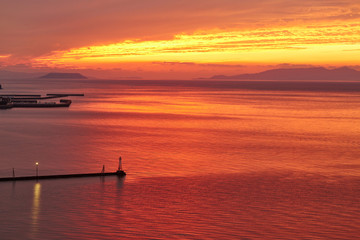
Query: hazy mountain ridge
{"x": 316, "y": 73}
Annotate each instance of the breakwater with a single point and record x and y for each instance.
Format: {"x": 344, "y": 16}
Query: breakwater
{"x": 80, "y": 175}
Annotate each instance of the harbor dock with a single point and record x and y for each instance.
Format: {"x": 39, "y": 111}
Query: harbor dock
{"x": 8, "y": 101}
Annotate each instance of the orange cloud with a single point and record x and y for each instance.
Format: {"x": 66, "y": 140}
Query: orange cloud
{"x": 298, "y": 45}
{"x": 88, "y": 33}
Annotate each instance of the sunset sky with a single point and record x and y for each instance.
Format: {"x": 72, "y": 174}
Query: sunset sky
{"x": 177, "y": 38}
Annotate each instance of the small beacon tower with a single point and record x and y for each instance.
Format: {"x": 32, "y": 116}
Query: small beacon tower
{"x": 120, "y": 170}
{"x": 120, "y": 164}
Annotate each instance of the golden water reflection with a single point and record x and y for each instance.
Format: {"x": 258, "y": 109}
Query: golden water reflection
{"x": 35, "y": 210}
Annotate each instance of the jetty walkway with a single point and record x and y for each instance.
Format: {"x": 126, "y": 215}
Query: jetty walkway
{"x": 119, "y": 173}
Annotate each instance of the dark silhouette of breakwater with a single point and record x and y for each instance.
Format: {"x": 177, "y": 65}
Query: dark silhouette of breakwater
{"x": 119, "y": 173}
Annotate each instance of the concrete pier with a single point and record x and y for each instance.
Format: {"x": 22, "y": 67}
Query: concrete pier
{"x": 80, "y": 175}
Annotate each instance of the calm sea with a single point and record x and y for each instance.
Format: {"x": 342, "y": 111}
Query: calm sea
{"x": 204, "y": 160}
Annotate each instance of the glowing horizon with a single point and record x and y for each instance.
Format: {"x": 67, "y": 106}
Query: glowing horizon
{"x": 130, "y": 36}
{"x": 297, "y": 45}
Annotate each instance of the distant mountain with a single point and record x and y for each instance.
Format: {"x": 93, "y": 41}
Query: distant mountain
{"x": 318, "y": 73}
{"x": 64, "y": 76}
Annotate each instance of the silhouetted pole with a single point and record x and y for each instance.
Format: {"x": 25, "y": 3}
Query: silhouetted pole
{"x": 103, "y": 169}
{"x": 37, "y": 169}
{"x": 13, "y": 172}
{"x": 120, "y": 165}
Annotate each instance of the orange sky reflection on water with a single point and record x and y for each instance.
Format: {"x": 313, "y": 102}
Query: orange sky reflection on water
{"x": 245, "y": 132}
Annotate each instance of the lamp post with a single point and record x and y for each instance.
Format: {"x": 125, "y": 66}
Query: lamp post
{"x": 37, "y": 169}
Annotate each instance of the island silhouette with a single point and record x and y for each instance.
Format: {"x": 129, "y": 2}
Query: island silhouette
{"x": 64, "y": 75}
{"x": 314, "y": 73}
